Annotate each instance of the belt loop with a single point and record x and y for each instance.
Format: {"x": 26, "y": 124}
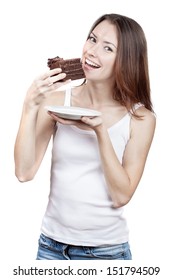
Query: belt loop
{"x": 87, "y": 250}
{"x": 65, "y": 251}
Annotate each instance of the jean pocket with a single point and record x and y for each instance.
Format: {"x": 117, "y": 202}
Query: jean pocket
{"x": 46, "y": 242}
{"x": 115, "y": 252}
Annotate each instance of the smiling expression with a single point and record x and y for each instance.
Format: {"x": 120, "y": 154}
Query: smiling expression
{"x": 99, "y": 52}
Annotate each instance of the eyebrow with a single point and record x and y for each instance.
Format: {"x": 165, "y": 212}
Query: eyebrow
{"x": 107, "y": 42}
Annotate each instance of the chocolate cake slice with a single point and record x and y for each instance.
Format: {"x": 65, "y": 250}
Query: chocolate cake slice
{"x": 72, "y": 67}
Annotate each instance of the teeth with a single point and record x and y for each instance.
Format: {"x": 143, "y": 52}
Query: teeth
{"x": 91, "y": 63}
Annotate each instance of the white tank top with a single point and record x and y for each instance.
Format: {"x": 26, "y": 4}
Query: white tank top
{"x": 80, "y": 210}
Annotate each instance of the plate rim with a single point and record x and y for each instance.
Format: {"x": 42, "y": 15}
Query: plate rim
{"x": 95, "y": 112}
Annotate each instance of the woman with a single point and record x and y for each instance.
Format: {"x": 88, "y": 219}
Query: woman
{"x": 97, "y": 162}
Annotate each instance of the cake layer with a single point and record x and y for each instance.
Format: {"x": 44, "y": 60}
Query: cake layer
{"x": 72, "y": 67}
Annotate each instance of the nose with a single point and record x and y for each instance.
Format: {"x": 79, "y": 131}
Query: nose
{"x": 93, "y": 50}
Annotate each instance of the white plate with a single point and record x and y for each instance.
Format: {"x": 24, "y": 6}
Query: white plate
{"x": 73, "y": 113}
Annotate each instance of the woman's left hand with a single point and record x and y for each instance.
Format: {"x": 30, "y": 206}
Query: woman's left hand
{"x": 94, "y": 122}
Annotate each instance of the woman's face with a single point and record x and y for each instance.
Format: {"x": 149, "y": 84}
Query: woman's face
{"x": 99, "y": 52}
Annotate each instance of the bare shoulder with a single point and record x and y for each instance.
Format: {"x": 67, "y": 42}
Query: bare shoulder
{"x": 147, "y": 119}
{"x": 54, "y": 99}
{"x": 142, "y": 129}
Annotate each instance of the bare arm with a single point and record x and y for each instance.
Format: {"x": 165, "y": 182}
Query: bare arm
{"x": 36, "y": 127}
{"x": 31, "y": 143}
{"x": 122, "y": 179}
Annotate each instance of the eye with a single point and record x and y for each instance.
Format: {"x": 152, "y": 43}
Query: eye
{"x": 108, "y": 49}
{"x": 92, "y": 39}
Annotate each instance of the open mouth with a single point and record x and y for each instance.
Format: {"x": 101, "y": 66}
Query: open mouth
{"x": 91, "y": 64}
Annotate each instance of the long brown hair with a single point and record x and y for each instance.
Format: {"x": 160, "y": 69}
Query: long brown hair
{"x": 132, "y": 84}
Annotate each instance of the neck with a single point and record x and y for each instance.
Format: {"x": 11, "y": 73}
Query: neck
{"x": 98, "y": 94}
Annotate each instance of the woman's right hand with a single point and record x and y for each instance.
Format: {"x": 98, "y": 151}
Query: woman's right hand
{"x": 43, "y": 85}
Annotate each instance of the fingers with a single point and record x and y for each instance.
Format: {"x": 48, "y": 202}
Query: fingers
{"x": 44, "y": 85}
{"x": 50, "y": 81}
{"x": 63, "y": 121}
{"x": 50, "y": 77}
{"x": 49, "y": 73}
{"x": 92, "y": 122}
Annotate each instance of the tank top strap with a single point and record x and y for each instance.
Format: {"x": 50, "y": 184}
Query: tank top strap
{"x": 137, "y": 105}
{"x": 67, "y": 101}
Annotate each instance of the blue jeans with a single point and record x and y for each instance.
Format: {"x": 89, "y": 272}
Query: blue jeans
{"x": 50, "y": 249}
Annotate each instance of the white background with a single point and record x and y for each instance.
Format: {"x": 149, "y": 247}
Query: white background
{"x": 32, "y": 31}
